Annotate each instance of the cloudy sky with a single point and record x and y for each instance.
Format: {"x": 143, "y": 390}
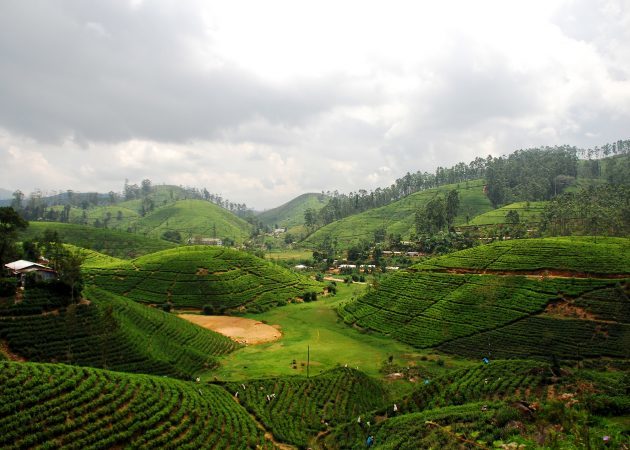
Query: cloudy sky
{"x": 261, "y": 101}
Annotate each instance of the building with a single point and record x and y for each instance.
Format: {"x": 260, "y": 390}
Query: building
{"x": 22, "y": 268}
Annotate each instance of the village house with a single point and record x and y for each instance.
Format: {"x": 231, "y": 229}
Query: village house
{"x": 22, "y": 268}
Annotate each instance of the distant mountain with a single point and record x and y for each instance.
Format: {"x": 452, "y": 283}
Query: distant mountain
{"x": 291, "y": 214}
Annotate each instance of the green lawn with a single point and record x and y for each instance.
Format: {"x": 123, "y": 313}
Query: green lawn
{"x": 332, "y": 344}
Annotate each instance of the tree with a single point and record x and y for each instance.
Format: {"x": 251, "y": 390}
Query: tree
{"x": 512, "y": 217}
{"x": 10, "y": 224}
{"x": 69, "y": 270}
{"x": 452, "y": 205}
{"x": 18, "y": 198}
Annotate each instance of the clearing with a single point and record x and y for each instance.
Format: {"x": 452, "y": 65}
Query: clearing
{"x": 239, "y": 329}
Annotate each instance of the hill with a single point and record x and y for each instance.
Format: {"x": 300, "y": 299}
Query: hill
{"x": 197, "y": 276}
{"x": 528, "y": 212}
{"x": 107, "y": 331}
{"x": 111, "y": 242}
{"x": 53, "y": 405}
{"x": 495, "y": 301}
{"x": 296, "y": 408}
{"x": 291, "y": 214}
{"x": 399, "y": 217}
{"x": 193, "y": 218}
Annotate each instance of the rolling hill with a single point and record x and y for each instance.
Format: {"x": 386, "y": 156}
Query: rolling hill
{"x": 107, "y": 331}
{"x": 525, "y": 299}
{"x": 399, "y": 217}
{"x": 59, "y": 406}
{"x": 197, "y": 276}
{"x": 119, "y": 244}
{"x": 193, "y": 218}
{"x": 291, "y": 214}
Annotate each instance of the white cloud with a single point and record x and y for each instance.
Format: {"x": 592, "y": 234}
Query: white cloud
{"x": 262, "y": 101}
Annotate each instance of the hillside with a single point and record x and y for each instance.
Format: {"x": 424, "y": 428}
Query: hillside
{"x": 296, "y": 408}
{"x": 107, "y": 331}
{"x": 291, "y": 214}
{"x": 495, "y": 301}
{"x": 528, "y": 212}
{"x": 399, "y": 217}
{"x": 198, "y": 276}
{"x": 111, "y": 242}
{"x": 193, "y": 218}
{"x": 53, "y": 406}
{"x": 492, "y": 405}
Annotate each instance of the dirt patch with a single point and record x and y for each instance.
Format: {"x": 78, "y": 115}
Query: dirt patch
{"x": 4, "y": 348}
{"x": 239, "y": 329}
{"x": 202, "y": 271}
{"x": 566, "y": 308}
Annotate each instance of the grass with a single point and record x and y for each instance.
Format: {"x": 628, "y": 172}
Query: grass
{"x": 332, "y": 344}
{"x": 289, "y": 254}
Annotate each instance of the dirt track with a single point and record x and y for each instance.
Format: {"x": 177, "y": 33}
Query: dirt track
{"x": 245, "y": 331}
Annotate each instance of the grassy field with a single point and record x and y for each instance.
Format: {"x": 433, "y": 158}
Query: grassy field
{"x": 288, "y": 254}
{"x": 332, "y": 344}
{"x": 399, "y": 217}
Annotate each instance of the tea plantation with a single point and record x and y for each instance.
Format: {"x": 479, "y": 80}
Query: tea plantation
{"x": 59, "y": 406}
{"x": 492, "y": 314}
{"x": 108, "y": 332}
{"x": 296, "y": 408}
{"x": 197, "y": 276}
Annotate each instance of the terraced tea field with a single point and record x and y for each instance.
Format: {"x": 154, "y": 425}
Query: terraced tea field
{"x": 295, "y": 408}
{"x": 53, "y": 406}
{"x": 591, "y": 255}
{"x": 198, "y": 276}
{"x": 110, "y": 332}
{"x": 476, "y": 314}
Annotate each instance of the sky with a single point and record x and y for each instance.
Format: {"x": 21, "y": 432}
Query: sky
{"x": 261, "y": 101}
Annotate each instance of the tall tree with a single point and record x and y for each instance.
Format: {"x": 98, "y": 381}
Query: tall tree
{"x": 10, "y": 224}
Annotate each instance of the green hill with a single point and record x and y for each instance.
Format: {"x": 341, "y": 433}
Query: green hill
{"x": 198, "y": 276}
{"x": 58, "y": 406}
{"x": 296, "y": 408}
{"x": 193, "y": 218}
{"x": 399, "y": 217}
{"x": 107, "y": 332}
{"x": 458, "y": 304}
{"x": 291, "y": 214}
{"x": 111, "y": 242}
{"x": 528, "y": 212}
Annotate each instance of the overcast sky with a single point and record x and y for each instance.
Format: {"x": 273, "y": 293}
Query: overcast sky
{"x": 261, "y": 101}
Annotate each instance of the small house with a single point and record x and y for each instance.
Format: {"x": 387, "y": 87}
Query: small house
{"x": 21, "y": 268}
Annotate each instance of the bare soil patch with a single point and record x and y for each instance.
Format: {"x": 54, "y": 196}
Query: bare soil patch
{"x": 239, "y": 329}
